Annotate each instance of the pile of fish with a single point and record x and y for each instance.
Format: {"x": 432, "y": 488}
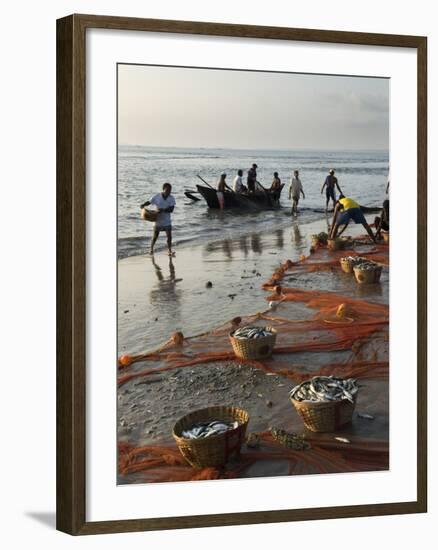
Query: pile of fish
{"x": 244, "y": 333}
{"x": 201, "y": 430}
{"x": 369, "y": 266}
{"x": 321, "y": 237}
{"x": 325, "y": 388}
{"x": 355, "y": 260}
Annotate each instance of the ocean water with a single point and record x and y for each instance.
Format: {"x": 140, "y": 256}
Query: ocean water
{"x": 142, "y": 171}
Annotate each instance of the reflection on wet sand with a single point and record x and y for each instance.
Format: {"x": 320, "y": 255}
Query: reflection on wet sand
{"x": 256, "y": 244}
{"x": 279, "y": 233}
{"x": 149, "y": 288}
{"x": 244, "y": 244}
{"x": 165, "y": 292}
{"x": 297, "y": 237}
{"x": 227, "y": 248}
{"x": 369, "y": 291}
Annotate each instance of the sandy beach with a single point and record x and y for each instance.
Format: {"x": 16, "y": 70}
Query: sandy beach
{"x": 159, "y": 296}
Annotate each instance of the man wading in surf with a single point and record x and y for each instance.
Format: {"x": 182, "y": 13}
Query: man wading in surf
{"x": 165, "y": 203}
{"x": 330, "y": 183}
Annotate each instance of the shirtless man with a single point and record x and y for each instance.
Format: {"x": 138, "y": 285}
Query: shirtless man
{"x": 330, "y": 183}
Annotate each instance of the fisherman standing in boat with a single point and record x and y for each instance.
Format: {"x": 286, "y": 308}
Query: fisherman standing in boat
{"x": 347, "y": 209}
{"x": 252, "y": 178}
{"x": 165, "y": 203}
{"x": 296, "y": 187}
{"x": 330, "y": 183}
{"x": 221, "y": 186}
{"x": 238, "y": 186}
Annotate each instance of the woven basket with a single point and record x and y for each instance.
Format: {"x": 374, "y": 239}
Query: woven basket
{"x": 334, "y": 244}
{"x": 314, "y": 241}
{"x": 385, "y": 237}
{"x": 345, "y": 242}
{"x": 149, "y": 215}
{"x": 254, "y": 348}
{"x": 325, "y": 416}
{"x": 346, "y": 265}
{"x": 215, "y": 450}
{"x": 367, "y": 276}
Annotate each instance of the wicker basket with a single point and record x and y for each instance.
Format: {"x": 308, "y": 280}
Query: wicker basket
{"x": 314, "y": 239}
{"x": 334, "y": 244}
{"x": 325, "y": 416}
{"x": 149, "y": 215}
{"x": 215, "y": 450}
{"x": 367, "y": 276}
{"x": 254, "y": 348}
{"x": 385, "y": 237}
{"x": 345, "y": 242}
{"x": 346, "y": 265}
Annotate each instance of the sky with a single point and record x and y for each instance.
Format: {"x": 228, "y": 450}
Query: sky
{"x": 192, "y": 107}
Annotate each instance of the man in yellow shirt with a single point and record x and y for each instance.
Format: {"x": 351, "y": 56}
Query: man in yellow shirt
{"x": 347, "y": 209}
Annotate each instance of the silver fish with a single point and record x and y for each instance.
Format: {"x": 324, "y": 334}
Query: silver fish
{"x": 355, "y": 259}
{"x": 251, "y": 332}
{"x": 325, "y": 388}
{"x": 369, "y": 266}
{"x": 366, "y": 416}
{"x": 208, "y": 429}
{"x": 342, "y": 439}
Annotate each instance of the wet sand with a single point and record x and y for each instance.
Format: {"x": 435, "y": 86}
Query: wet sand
{"x": 158, "y": 296}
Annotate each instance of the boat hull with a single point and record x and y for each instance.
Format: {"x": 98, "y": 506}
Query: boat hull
{"x": 238, "y": 200}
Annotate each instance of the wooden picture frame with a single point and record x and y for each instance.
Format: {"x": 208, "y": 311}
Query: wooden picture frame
{"x": 71, "y": 273}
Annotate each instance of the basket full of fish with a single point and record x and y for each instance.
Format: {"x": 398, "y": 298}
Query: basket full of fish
{"x": 334, "y": 244}
{"x": 349, "y": 262}
{"x": 325, "y": 403}
{"x": 211, "y": 437}
{"x": 251, "y": 342}
{"x": 367, "y": 272}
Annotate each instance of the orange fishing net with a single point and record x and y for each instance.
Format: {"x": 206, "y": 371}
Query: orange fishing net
{"x": 165, "y": 463}
{"x": 318, "y": 333}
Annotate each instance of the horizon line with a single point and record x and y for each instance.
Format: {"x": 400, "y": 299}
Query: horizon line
{"x": 253, "y": 148}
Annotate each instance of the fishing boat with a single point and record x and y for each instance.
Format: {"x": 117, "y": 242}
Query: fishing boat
{"x": 260, "y": 199}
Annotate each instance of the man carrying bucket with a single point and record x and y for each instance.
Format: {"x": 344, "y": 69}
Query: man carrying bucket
{"x": 165, "y": 203}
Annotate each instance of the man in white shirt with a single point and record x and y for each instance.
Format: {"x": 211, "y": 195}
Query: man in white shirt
{"x": 295, "y": 189}
{"x": 238, "y": 186}
{"x": 165, "y": 203}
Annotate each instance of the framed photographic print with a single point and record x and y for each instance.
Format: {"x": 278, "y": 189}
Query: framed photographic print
{"x": 241, "y": 322}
